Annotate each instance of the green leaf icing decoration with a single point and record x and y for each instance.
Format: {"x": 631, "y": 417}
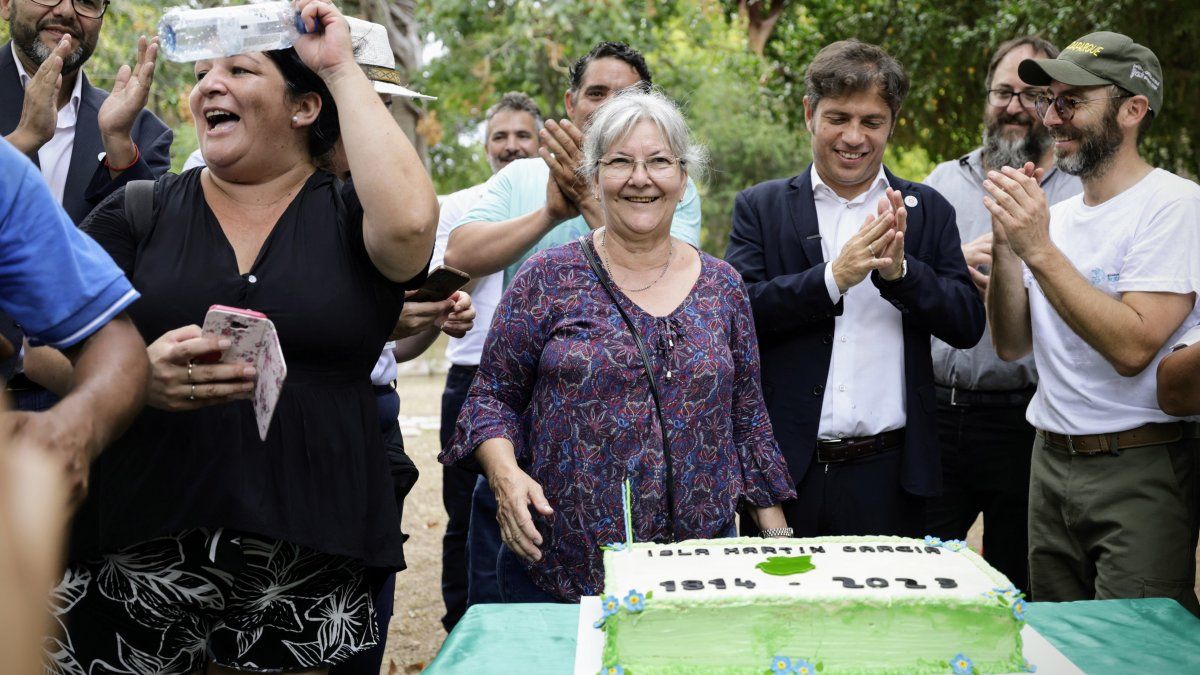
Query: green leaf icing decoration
{"x": 784, "y": 565}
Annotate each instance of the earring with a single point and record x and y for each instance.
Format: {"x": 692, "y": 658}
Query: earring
{"x": 295, "y": 119}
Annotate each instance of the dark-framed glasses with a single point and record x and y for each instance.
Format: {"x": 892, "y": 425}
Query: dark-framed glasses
{"x": 1000, "y": 98}
{"x": 92, "y": 9}
{"x": 1065, "y": 104}
{"x": 658, "y": 166}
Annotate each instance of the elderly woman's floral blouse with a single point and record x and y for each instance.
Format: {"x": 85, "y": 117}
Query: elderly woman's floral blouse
{"x": 561, "y": 379}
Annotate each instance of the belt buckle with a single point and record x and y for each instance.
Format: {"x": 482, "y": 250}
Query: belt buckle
{"x": 953, "y": 397}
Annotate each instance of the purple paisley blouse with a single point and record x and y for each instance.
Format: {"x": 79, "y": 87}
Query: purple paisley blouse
{"x": 561, "y": 379}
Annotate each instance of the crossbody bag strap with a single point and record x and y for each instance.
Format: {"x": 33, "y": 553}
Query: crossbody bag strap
{"x": 592, "y": 262}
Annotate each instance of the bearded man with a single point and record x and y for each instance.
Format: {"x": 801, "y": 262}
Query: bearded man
{"x": 1100, "y": 287}
{"x": 986, "y": 442}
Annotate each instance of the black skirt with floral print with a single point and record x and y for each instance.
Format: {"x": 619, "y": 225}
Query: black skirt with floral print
{"x": 174, "y": 604}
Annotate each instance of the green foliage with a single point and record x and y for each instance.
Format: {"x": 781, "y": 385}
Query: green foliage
{"x": 696, "y": 56}
{"x": 945, "y": 46}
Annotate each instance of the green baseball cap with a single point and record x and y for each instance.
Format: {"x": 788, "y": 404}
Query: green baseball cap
{"x": 1098, "y": 59}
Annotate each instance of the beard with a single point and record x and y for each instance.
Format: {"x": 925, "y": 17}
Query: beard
{"x": 1097, "y": 146}
{"x": 30, "y": 44}
{"x": 1000, "y": 149}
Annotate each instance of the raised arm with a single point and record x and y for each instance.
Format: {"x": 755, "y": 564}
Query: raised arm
{"x": 399, "y": 203}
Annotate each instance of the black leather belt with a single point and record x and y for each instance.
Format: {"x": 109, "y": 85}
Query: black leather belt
{"x": 964, "y": 398}
{"x": 847, "y": 449}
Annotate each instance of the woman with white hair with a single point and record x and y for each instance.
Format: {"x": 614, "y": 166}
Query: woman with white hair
{"x": 625, "y": 358}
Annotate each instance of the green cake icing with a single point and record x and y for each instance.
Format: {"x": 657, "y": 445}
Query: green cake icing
{"x": 840, "y": 602}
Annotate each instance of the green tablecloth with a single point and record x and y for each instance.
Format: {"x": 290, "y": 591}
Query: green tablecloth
{"x": 1107, "y": 636}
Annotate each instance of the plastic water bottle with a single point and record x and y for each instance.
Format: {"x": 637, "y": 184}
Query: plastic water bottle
{"x": 195, "y": 34}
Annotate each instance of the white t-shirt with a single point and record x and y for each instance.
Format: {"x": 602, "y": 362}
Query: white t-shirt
{"x": 1188, "y": 339}
{"x": 1145, "y": 239}
{"x": 467, "y": 350}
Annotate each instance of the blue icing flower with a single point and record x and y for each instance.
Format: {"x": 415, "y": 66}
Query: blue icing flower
{"x": 932, "y": 541}
{"x": 1030, "y": 668}
{"x": 804, "y": 668}
{"x": 1018, "y": 609}
{"x": 615, "y": 546}
{"x": 781, "y": 664}
{"x": 613, "y": 670}
{"x": 610, "y": 604}
{"x": 954, "y": 544}
{"x": 635, "y": 602}
{"x": 961, "y": 665}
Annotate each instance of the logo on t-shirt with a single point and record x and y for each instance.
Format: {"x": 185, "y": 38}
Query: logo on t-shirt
{"x": 1099, "y": 277}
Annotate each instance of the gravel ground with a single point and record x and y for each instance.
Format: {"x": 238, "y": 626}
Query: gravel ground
{"x": 416, "y": 632}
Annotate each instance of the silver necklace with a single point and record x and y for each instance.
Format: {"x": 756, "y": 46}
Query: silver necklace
{"x": 608, "y": 265}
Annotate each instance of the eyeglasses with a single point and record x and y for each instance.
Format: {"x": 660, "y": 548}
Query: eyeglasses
{"x": 1065, "y": 105}
{"x": 92, "y": 9}
{"x": 659, "y": 166}
{"x": 1000, "y": 98}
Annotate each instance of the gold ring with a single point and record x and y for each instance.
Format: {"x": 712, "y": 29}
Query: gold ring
{"x": 192, "y": 396}
{"x": 189, "y": 371}
{"x": 871, "y": 248}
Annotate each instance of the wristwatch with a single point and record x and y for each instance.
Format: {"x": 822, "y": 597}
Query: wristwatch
{"x": 777, "y": 532}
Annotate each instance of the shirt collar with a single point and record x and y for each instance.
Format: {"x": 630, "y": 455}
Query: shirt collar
{"x": 820, "y": 187}
{"x": 70, "y": 112}
{"x": 974, "y": 162}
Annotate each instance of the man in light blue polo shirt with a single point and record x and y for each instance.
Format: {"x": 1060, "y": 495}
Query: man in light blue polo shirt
{"x": 66, "y": 293}
{"x": 539, "y": 203}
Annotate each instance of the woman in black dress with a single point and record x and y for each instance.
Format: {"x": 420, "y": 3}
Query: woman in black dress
{"x": 200, "y": 546}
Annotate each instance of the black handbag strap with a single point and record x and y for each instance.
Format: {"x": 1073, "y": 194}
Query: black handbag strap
{"x": 592, "y": 262}
{"x": 139, "y": 208}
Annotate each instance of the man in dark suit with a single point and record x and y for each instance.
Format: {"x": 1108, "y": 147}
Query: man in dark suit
{"x": 86, "y": 142}
{"x": 846, "y": 364}
{"x": 65, "y": 124}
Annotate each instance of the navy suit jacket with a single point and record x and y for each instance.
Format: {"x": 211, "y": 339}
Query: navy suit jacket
{"x": 88, "y": 180}
{"x": 776, "y": 245}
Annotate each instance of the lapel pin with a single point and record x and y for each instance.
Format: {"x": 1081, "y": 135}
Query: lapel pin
{"x": 910, "y": 201}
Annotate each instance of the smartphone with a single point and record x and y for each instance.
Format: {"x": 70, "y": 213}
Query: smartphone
{"x": 440, "y": 284}
{"x": 545, "y": 527}
{"x": 255, "y": 343}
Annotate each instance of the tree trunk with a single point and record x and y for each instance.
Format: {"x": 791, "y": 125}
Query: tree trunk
{"x": 398, "y": 16}
{"x": 761, "y": 15}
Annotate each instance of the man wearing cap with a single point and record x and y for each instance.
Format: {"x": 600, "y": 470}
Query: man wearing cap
{"x": 985, "y": 440}
{"x": 1099, "y": 287}
{"x": 85, "y": 142}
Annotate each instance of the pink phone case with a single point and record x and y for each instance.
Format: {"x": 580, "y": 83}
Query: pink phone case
{"x": 256, "y": 343}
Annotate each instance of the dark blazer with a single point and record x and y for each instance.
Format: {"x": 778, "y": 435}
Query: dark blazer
{"x": 776, "y": 246}
{"x": 87, "y": 179}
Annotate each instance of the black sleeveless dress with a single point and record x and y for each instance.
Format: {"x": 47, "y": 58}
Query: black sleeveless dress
{"x": 321, "y": 478}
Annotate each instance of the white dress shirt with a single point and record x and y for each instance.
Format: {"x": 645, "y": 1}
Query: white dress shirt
{"x": 864, "y": 393}
{"x": 468, "y": 350}
{"x": 54, "y": 158}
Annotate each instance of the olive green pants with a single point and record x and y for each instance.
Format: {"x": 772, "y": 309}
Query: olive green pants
{"x": 1114, "y": 526}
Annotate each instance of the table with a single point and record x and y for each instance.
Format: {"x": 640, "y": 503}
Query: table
{"x": 1152, "y": 635}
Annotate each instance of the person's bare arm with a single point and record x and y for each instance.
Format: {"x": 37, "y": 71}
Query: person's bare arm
{"x": 111, "y": 371}
{"x": 1179, "y": 382}
{"x": 399, "y": 203}
{"x": 1007, "y": 302}
{"x": 480, "y": 248}
{"x": 48, "y": 367}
